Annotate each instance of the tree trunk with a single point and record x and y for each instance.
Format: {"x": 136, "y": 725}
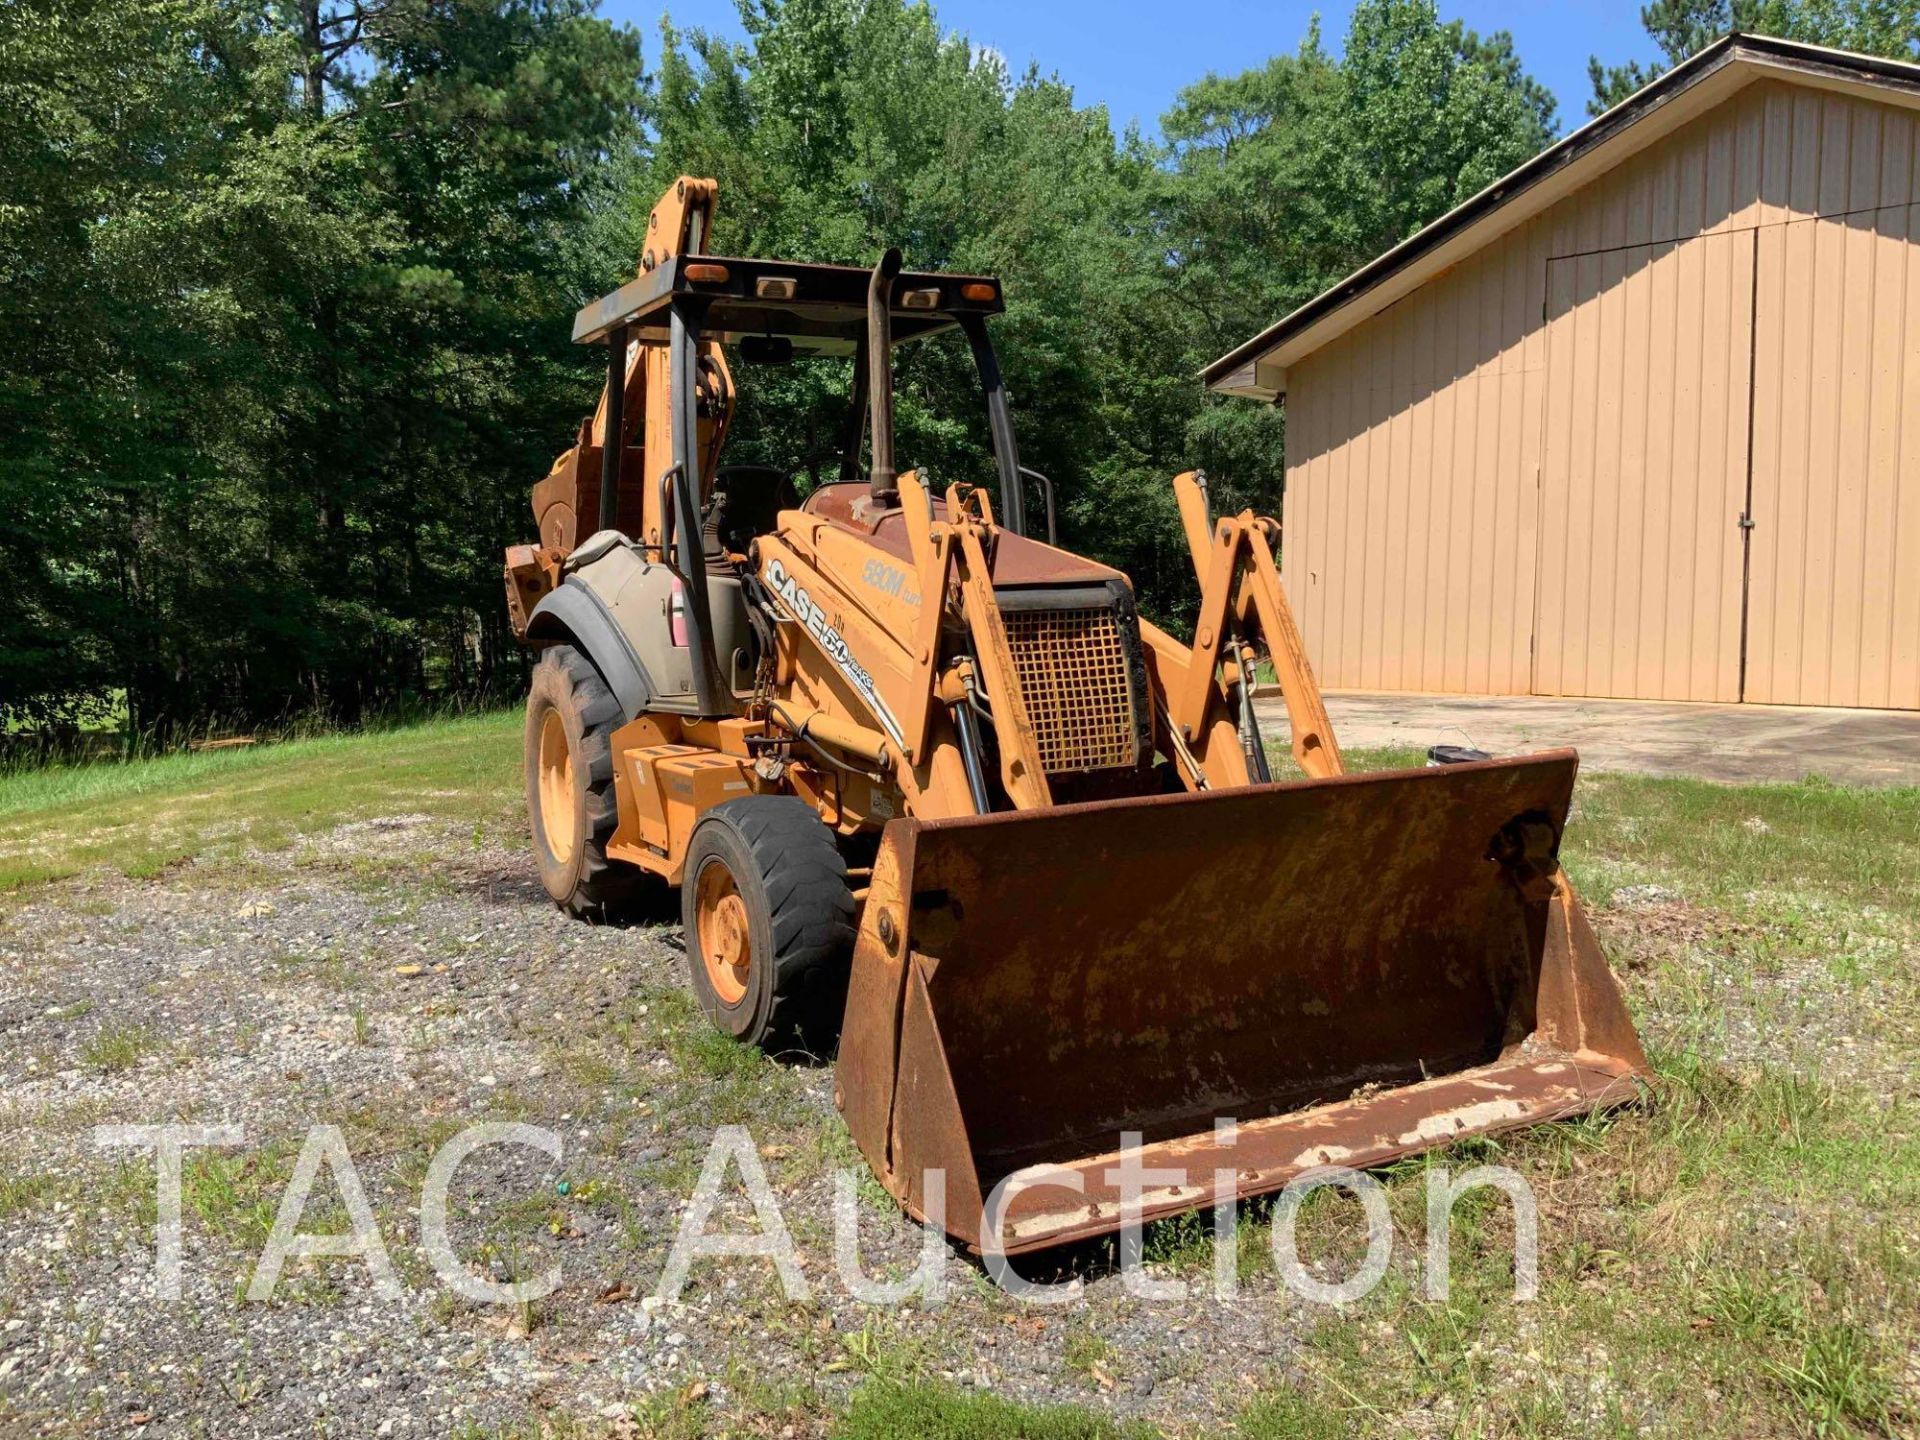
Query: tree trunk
{"x": 313, "y": 77}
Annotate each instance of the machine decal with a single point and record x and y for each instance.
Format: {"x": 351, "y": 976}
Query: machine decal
{"x": 799, "y": 605}
{"x": 889, "y": 580}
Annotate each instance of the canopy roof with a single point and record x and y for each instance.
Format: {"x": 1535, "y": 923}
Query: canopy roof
{"x": 822, "y": 309}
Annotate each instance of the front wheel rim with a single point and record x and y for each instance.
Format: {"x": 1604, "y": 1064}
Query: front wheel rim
{"x": 726, "y": 944}
{"x": 558, "y": 820}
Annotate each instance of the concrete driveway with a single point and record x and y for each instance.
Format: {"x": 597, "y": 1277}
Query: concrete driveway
{"x": 1709, "y": 742}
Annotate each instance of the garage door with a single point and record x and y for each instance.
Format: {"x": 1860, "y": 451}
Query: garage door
{"x": 1834, "y": 594}
{"x": 1643, "y": 478}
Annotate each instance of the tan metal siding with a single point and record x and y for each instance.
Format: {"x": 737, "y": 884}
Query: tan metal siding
{"x": 1643, "y": 477}
{"x": 1410, "y": 488}
{"x": 1834, "y": 601}
{"x": 1416, "y": 441}
{"x": 1409, "y": 510}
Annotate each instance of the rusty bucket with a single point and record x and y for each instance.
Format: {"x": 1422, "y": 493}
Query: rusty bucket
{"x": 1349, "y": 970}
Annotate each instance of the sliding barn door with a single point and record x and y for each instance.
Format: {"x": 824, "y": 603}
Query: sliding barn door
{"x": 1834, "y": 600}
{"x": 1644, "y": 470}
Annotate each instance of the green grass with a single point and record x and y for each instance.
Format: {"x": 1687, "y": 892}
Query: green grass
{"x": 1289, "y": 1415}
{"x": 142, "y": 816}
{"x": 1385, "y": 757}
{"x": 1735, "y": 845}
{"x": 884, "y": 1410}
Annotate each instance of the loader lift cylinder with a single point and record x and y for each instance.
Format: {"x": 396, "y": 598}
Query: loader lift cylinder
{"x": 614, "y": 440}
{"x": 969, "y": 731}
{"x": 1250, "y": 740}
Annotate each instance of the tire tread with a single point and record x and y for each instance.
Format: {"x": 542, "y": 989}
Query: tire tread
{"x": 605, "y": 886}
{"x": 805, "y": 879}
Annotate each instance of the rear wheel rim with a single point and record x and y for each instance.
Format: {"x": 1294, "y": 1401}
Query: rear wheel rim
{"x": 726, "y": 946}
{"x": 558, "y": 817}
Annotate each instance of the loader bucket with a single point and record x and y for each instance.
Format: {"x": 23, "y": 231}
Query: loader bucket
{"x": 1349, "y": 970}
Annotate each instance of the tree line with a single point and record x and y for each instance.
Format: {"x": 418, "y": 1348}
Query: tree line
{"x": 286, "y": 289}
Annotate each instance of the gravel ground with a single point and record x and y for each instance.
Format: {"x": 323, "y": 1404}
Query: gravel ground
{"x": 367, "y": 980}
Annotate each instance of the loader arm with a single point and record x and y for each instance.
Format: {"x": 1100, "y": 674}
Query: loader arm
{"x": 1240, "y": 585}
{"x": 908, "y": 685}
{"x": 1020, "y": 768}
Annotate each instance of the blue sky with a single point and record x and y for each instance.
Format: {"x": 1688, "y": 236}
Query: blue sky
{"x": 1133, "y": 56}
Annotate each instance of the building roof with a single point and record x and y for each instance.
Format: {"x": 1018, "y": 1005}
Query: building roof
{"x": 1258, "y": 367}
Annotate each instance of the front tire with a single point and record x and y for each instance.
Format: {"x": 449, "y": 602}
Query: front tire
{"x": 568, "y": 745}
{"x": 769, "y": 923}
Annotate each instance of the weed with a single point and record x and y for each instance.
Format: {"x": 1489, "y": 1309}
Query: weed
{"x": 20, "y": 1192}
{"x": 1752, "y": 1305}
{"x": 873, "y": 1351}
{"x": 114, "y": 1048}
{"x": 236, "y": 1194}
{"x": 1181, "y": 1243}
{"x": 1084, "y": 1351}
{"x": 682, "y": 1415}
{"x": 1838, "y": 1378}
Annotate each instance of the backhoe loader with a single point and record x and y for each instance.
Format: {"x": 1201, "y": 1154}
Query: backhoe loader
{"x": 933, "y": 789}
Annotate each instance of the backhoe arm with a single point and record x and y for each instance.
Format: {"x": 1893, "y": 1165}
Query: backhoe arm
{"x": 678, "y": 225}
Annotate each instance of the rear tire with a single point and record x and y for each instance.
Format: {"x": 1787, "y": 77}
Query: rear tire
{"x": 769, "y": 923}
{"x": 571, "y": 717}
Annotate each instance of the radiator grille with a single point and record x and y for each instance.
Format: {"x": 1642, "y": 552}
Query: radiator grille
{"x": 1073, "y": 671}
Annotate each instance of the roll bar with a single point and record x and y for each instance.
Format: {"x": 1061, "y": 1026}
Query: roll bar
{"x": 687, "y": 557}
{"x": 880, "y": 479}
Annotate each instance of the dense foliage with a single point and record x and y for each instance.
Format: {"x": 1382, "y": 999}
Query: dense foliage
{"x": 284, "y": 291}
{"x": 285, "y": 288}
{"x": 1682, "y": 27}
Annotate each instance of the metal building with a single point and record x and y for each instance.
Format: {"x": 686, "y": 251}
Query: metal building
{"x": 1641, "y": 419}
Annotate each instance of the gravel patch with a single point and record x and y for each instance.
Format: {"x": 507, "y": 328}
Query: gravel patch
{"x": 394, "y": 980}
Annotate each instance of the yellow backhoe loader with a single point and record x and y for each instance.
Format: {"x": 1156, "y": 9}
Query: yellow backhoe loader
{"x": 931, "y": 787}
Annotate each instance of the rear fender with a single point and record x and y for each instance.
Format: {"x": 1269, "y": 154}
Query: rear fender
{"x": 575, "y": 615}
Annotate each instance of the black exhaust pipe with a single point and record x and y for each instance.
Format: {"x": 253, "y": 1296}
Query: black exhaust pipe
{"x": 880, "y": 482}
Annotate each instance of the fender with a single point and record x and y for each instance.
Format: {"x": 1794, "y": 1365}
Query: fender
{"x": 574, "y": 613}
